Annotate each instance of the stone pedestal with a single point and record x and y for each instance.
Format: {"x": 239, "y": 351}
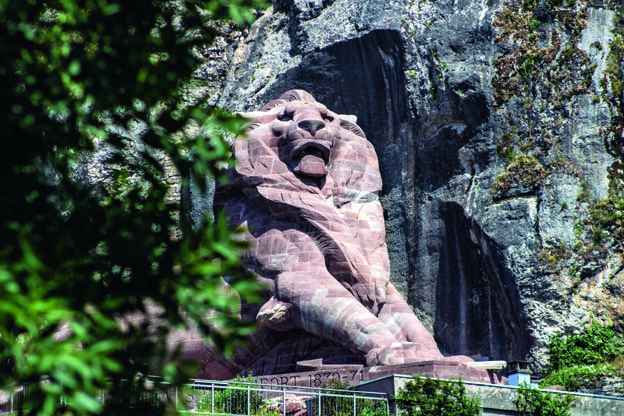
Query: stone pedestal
{"x": 327, "y": 375}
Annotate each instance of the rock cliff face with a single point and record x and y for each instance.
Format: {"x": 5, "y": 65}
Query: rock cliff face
{"x": 498, "y": 126}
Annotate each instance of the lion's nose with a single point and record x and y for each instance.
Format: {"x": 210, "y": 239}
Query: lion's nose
{"x": 311, "y": 126}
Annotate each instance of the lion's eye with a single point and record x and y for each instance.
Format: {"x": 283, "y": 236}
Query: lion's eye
{"x": 327, "y": 117}
{"x": 285, "y": 117}
{"x": 252, "y": 126}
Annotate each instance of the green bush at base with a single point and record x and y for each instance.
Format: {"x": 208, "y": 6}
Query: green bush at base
{"x": 534, "y": 402}
{"x": 427, "y": 396}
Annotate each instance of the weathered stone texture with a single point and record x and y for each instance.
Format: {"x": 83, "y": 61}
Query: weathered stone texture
{"x": 482, "y": 240}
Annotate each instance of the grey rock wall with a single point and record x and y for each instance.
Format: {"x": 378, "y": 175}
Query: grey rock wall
{"x": 493, "y": 268}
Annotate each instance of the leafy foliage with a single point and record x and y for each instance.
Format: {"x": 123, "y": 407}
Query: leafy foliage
{"x": 534, "y": 402}
{"x": 428, "y": 396}
{"x": 238, "y": 398}
{"x": 584, "y": 358}
{"x": 576, "y": 377}
{"x": 339, "y": 402}
{"x": 91, "y": 280}
{"x": 523, "y": 169}
{"x": 594, "y": 344}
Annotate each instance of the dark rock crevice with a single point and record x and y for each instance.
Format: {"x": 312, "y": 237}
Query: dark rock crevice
{"x": 361, "y": 76}
{"x": 297, "y": 37}
{"x": 441, "y": 135}
{"x": 482, "y": 314}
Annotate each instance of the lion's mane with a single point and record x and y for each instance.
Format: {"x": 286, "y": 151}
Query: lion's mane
{"x": 335, "y": 211}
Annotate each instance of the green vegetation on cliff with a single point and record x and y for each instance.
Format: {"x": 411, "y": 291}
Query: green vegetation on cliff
{"x": 582, "y": 359}
{"x": 543, "y": 68}
{"x": 545, "y": 81}
{"x": 92, "y": 280}
{"x": 609, "y": 213}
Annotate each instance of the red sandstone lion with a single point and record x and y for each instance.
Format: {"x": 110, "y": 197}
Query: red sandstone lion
{"x": 306, "y": 187}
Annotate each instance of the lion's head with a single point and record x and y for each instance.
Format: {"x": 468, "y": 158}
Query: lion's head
{"x": 307, "y": 145}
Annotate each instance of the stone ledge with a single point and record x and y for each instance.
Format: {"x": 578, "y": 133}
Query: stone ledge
{"x": 325, "y": 375}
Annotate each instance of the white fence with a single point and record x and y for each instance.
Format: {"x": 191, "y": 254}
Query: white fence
{"x": 240, "y": 398}
{"x": 203, "y": 397}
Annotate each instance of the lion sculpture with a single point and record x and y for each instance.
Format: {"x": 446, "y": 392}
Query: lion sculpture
{"x": 305, "y": 187}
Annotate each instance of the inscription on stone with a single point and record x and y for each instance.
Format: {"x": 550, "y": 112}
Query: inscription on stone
{"x": 315, "y": 378}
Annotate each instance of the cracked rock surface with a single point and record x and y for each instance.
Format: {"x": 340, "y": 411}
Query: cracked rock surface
{"x": 488, "y": 186}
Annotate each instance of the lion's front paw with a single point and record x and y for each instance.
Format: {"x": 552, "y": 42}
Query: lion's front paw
{"x": 275, "y": 314}
{"x": 401, "y": 353}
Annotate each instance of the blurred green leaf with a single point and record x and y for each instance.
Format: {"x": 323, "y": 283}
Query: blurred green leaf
{"x": 95, "y": 115}
{"x": 85, "y": 403}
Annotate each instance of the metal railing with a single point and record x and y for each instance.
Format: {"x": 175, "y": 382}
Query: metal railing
{"x": 11, "y": 402}
{"x": 203, "y": 397}
{"x": 242, "y": 398}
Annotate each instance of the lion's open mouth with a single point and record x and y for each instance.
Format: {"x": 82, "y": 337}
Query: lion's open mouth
{"x": 311, "y": 159}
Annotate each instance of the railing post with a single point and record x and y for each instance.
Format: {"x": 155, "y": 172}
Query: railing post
{"x": 354, "y": 403}
{"x": 319, "y": 403}
{"x": 212, "y": 398}
{"x": 284, "y": 400}
{"x": 248, "y": 399}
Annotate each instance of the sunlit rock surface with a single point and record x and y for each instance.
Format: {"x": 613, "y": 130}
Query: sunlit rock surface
{"x": 491, "y": 163}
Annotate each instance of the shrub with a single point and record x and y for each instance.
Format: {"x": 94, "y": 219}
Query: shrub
{"x": 427, "y": 396}
{"x": 595, "y": 344}
{"x": 575, "y": 377}
{"x": 523, "y": 168}
{"x": 234, "y": 399}
{"x": 342, "y": 404}
{"x": 582, "y": 359}
{"x": 534, "y": 402}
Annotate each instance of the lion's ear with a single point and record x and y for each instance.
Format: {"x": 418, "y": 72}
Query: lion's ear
{"x": 257, "y": 118}
{"x": 348, "y": 117}
{"x": 251, "y": 115}
{"x": 352, "y": 127}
